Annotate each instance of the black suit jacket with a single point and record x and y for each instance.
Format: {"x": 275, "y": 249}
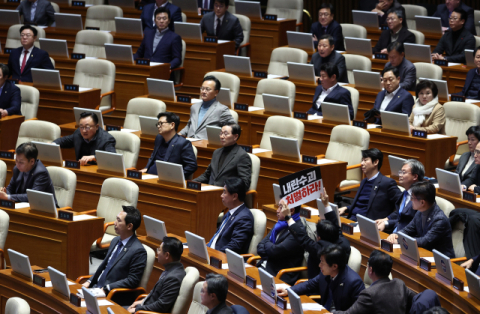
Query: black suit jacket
{"x": 443, "y": 13}
{"x": 474, "y": 178}
{"x": 334, "y": 29}
{"x": 405, "y": 36}
{"x": 408, "y": 74}
{"x": 104, "y": 141}
{"x": 127, "y": 270}
{"x": 338, "y": 95}
{"x": 169, "y": 49}
{"x": 222, "y": 308}
{"x": 468, "y": 82}
{"x": 44, "y": 13}
{"x": 400, "y": 221}
{"x": 455, "y": 53}
{"x": 149, "y": 10}
{"x": 402, "y": 103}
{"x": 38, "y": 59}
{"x": 165, "y": 292}
{"x": 230, "y": 30}
{"x": 461, "y": 166}
{"x": 336, "y": 59}
{"x": 11, "y": 99}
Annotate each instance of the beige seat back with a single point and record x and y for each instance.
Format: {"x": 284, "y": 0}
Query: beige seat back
{"x": 356, "y": 62}
{"x": 283, "y": 127}
{"x": 458, "y": 231}
{"x": 355, "y": 259}
{"x": 445, "y": 206}
{"x": 4, "y": 223}
{"x": 428, "y": 70}
{"x": 246, "y": 27}
{"x": 13, "y": 36}
{"x": 3, "y": 174}
{"x": 259, "y": 225}
{"x": 53, "y": 62}
{"x": 234, "y": 115}
{"x": 280, "y": 56}
{"x": 353, "y": 30}
{"x": 196, "y": 306}
{"x": 230, "y": 81}
{"x": 92, "y": 43}
{"x": 103, "y": 16}
{"x": 477, "y": 21}
{"x": 30, "y": 99}
{"x": 253, "y": 180}
{"x": 64, "y": 182}
{"x": 274, "y": 87}
{"x": 184, "y": 17}
{"x": 148, "y": 267}
{"x": 231, "y": 6}
{"x": 127, "y": 144}
{"x": 185, "y": 296}
{"x": 368, "y": 281}
{"x": 355, "y": 96}
{"x": 17, "y": 305}
{"x": 37, "y": 130}
{"x": 419, "y": 37}
{"x": 288, "y": 9}
{"x": 459, "y": 117}
{"x": 55, "y": 6}
{"x": 142, "y": 106}
{"x": 410, "y": 12}
{"x": 477, "y": 41}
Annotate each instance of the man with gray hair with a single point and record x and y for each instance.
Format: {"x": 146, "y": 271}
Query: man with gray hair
{"x": 412, "y": 171}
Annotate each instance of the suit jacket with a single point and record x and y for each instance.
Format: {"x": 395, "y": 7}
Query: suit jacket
{"x": 44, "y": 13}
{"x": 437, "y": 233}
{"x": 165, "y": 292}
{"x": 461, "y": 165}
{"x": 285, "y": 253}
{"x": 400, "y": 221}
{"x": 334, "y": 29}
{"x": 11, "y": 99}
{"x": 180, "y": 152}
{"x": 408, "y": 74}
{"x": 344, "y": 290}
{"x": 216, "y": 115}
{"x": 339, "y": 95}
{"x": 103, "y": 141}
{"x": 434, "y": 123}
{"x": 222, "y": 308}
{"x": 210, "y": 5}
{"x": 169, "y": 49}
{"x": 402, "y": 102}
{"x": 128, "y": 267}
{"x": 237, "y": 233}
{"x": 336, "y": 59}
{"x": 38, "y": 59}
{"x": 149, "y": 10}
{"x": 470, "y": 75}
{"x": 443, "y": 13}
{"x": 378, "y": 298}
{"x": 236, "y": 164}
{"x": 473, "y": 179}
{"x": 455, "y": 53}
{"x": 230, "y": 30}
{"x": 404, "y": 36}
{"x": 38, "y": 180}
{"x": 383, "y": 197}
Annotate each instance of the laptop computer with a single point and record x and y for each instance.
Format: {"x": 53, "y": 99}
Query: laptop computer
{"x": 368, "y": 229}
{"x": 170, "y": 172}
{"x": 197, "y": 246}
{"x": 409, "y": 247}
{"x": 336, "y": 112}
{"x": 49, "y": 153}
{"x": 122, "y": 3}
{"x": 395, "y": 121}
{"x": 442, "y": 88}
{"x": 55, "y": 47}
{"x": 295, "y": 302}
{"x": 367, "y": 80}
{"x": 213, "y": 136}
{"x": 300, "y": 40}
{"x": 301, "y": 72}
{"x": 277, "y": 193}
{"x": 20, "y": 263}
{"x": 418, "y": 53}
{"x": 191, "y": 31}
{"x": 77, "y": 111}
{"x": 250, "y": 9}
{"x": 91, "y": 301}
{"x": 321, "y": 210}
{"x": 155, "y": 228}
{"x": 237, "y": 64}
{"x": 449, "y": 181}
{"x": 444, "y": 266}
{"x": 396, "y": 164}
{"x": 225, "y": 97}
{"x": 119, "y": 53}
{"x": 277, "y": 104}
{"x": 111, "y": 162}
{"x": 365, "y": 18}
{"x": 359, "y": 46}
{"x": 268, "y": 283}
{"x": 284, "y": 146}
{"x": 59, "y": 281}
{"x": 9, "y": 17}
{"x": 236, "y": 264}
{"x": 68, "y": 21}
{"x": 148, "y": 125}
{"x": 42, "y": 201}
{"x": 162, "y": 89}
{"x": 428, "y": 24}
{"x": 187, "y": 5}
{"x": 49, "y": 79}
{"x": 473, "y": 282}
{"x": 129, "y": 26}
{"x": 470, "y": 58}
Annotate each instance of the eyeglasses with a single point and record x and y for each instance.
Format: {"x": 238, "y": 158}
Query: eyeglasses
{"x": 85, "y": 128}
{"x": 402, "y": 173}
{"x": 160, "y": 124}
{"x": 205, "y": 89}
{"x": 476, "y": 152}
{"x": 224, "y": 134}
{"x": 323, "y": 14}
{"x": 26, "y": 35}
{"x": 391, "y": 19}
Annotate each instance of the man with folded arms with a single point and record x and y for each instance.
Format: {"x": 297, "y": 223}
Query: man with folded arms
{"x": 383, "y": 6}
{"x": 10, "y": 96}
{"x": 326, "y": 53}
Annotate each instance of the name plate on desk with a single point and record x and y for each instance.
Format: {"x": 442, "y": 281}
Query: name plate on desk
{"x": 381, "y": 56}
{"x": 38, "y": 280}
{"x": 417, "y": 133}
{"x": 458, "y": 98}
{"x": 7, "y": 51}
{"x": 241, "y": 107}
{"x": 425, "y": 265}
{"x": 441, "y": 63}
{"x": 184, "y": 98}
{"x": 71, "y": 87}
{"x": 360, "y": 124}
{"x": 282, "y": 303}
{"x": 78, "y": 56}
{"x": 386, "y": 246}
{"x": 6, "y": 154}
{"x": 7, "y": 204}
{"x": 215, "y": 262}
{"x": 72, "y": 164}
{"x": 270, "y": 17}
{"x": 194, "y": 185}
{"x": 309, "y": 159}
{"x": 348, "y": 229}
{"x": 458, "y": 284}
{"x": 141, "y": 61}
{"x": 79, "y": 4}
{"x": 134, "y": 174}
{"x": 64, "y": 215}
{"x": 211, "y": 39}
{"x": 92, "y": 28}
{"x": 110, "y": 127}
{"x": 247, "y": 148}
{"x": 251, "y": 282}
{"x": 300, "y": 115}
{"x": 260, "y": 74}
{"x": 14, "y": 1}
{"x": 75, "y": 299}
{"x": 469, "y": 196}
{"x": 305, "y": 212}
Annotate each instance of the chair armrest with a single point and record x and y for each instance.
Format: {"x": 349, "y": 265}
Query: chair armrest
{"x": 354, "y": 166}
{"x": 458, "y": 259}
{"x": 290, "y": 270}
{"x": 313, "y": 297}
{"x": 82, "y": 279}
{"x": 247, "y": 45}
{"x": 113, "y": 101}
{"x": 31, "y": 119}
{"x": 320, "y": 156}
{"x": 99, "y": 240}
{"x": 89, "y": 212}
{"x": 254, "y": 197}
{"x": 452, "y": 158}
{"x": 300, "y": 281}
{"x": 253, "y": 259}
{"x": 300, "y": 27}
{"x": 2, "y": 258}
{"x": 142, "y": 296}
{"x": 112, "y": 292}
{"x": 246, "y": 257}
{"x": 256, "y": 146}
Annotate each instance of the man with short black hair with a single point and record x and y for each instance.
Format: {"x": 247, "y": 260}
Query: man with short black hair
{"x": 444, "y": 11}
{"x": 326, "y": 53}
{"x": 327, "y": 25}
{"x": 397, "y": 31}
{"x": 87, "y": 139}
{"x": 149, "y": 17}
{"x": 406, "y": 69}
{"x": 214, "y": 294}
{"x": 10, "y": 96}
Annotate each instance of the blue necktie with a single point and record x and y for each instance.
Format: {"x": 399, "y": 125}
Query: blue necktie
{"x": 402, "y": 206}
{"x": 101, "y": 281}
{"x": 225, "y": 219}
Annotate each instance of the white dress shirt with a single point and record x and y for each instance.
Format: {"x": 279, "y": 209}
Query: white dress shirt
{"x": 324, "y": 94}
{"x": 388, "y": 98}
{"x": 23, "y": 54}
{"x": 231, "y": 211}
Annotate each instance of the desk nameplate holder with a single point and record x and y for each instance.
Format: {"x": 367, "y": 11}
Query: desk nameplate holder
{"x": 235, "y": 277}
{"x": 75, "y": 300}
{"x": 65, "y": 215}
{"x": 251, "y": 282}
{"x": 408, "y": 260}
{"x": 360, "y": 124}
{"x": 39, "y": 280}
{"x": 267, "y": 298}
{"x": 72, "y": 164}
{"x": 443, "y": 279}
{"x": 112, "y": 173}
{"x": 368, "y": 241}
{"x": 425, "y": 264}
{"x": 386, "y": 246}
{"x": 281, "y": 303}
{"x": 134, "y": 174}
{"x": 469, "y": 196}
{"x": 348, "y": 229}
{"x": 215, "y": 262}
{"x": 458, "y": 284}
{"x": 198, "y": 258}
{"x": 7, "y": 204}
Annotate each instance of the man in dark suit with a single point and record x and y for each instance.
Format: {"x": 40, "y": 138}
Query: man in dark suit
{"x": 148, "y": 14}
{"x": 165, "y": 292}
{"x": 406, "y": 69}
{"x": 391, "y": 296}
{"x": 10, "y": 96}
{"x": 161, "y": 44}
{"x": 28, "y": 173}
{"x": 472, "y": 183}
{"x": 339, "y": 284}
{"x": 87, "y": 139}
{"x": 444, "y": 12}
{"x": 383, "y": 6}
{"x": 377, "y": 194}
{"x": 327, "y": 25}
{"x": 205, "y": 5}
{"x": 23, "y": 59}
{"x": 126, "y": 258}
{"x": 230, "y": 161}
{"x": 326, "y": 53}
{"x": 222, "y": 24}
{"x": 412, "y": 172}
{"x": 454, "y": 42}
{"x": 397, "y": 32}
{"x": 466, "y": 165}
{"x": 330, "y": 91}
{"x": 214, "y": 294}
{"x": 37, "y": 12}
{"x": 471, "y": 89}
{"x": 171, "y": 147}
{"x": 430, "y": 227}
{"x": 236, "y": 229}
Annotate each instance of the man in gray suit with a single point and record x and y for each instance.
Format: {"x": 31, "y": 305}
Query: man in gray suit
{"x": 326, "y": 53}
{"x": 229, "y": 161}
{"x": 208, "y": 112}
{"x": 466, "y": 165}
{"x": 37, "y": 12}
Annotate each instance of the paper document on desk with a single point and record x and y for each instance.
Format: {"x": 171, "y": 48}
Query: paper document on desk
{"x": 451, "y": 64}
{"x": 83, "y": 217}
{"x": 356, "y": 229}
{"x": 195, "y": 100}
{"x": 436, "y": 185}
{"x": 431, "y": 259}
{"x": 278, "y": 285}
{"x": 274, "y": 76}
{"x": 325, "y": 161}
{"x": 129, "y": 130}
{"x": 211, "y": 187}
{"x": 84, "y": 89}
{"x": 155, "y": 63}
{"x": 435, "y": 136}
{"x": 91, "y": 58}
{"x": 193, "y": 139}
{"x": 342, "y": 84}
{"x": 309, "y": 307}
{"x": 253, "y": 108}
{"x": 396, "y": 246}
{"x": 314, "y": 117}
{"x": 478, "y": 199}
{"x": 372, "y": 125}
{"x": 471, "y": 101}
{"x": 97, "y": 292}
{"x": 100, "y": 303}
{"x": 222, "y": 41}
{"x": 48, "y": 284}
{"x": 149, "y": 176}
{"x": 21, "y": 205}
{"x": 225, "y": 265}
{"x": 260, "y": 150}
{"x": 466, "y": 289}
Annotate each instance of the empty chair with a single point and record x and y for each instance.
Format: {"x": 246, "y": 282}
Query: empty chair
{"x": 419, "y": 37}
{"x": 64, "y": 182}
{"x": 142, "y": 106}
{"x": 428, "y": 70}
{"x": 36, "y": 130}
{"x": 246, "y": 27}
{"x": 282, "y": 127}
{"x": 92, "y": 43}
{"x": 410, "y": 12}
{"x": 30, "y": 100}
{"x": 4, "y": 223}
{"x": 353, "y": 30}
{"x": 230, "y": 81}
{"x": 13, "y": 36}
{"x": 274, "y": 87}
{"x": 355, "y": 96}
{"x": 196, "y": 306}
{"x": 280, "y": 56}
{"x": 288, "y": 9}
{"x": 356, "y": 62}
{"x": 103, "y": 16}
{"x": 127, "y": 144}
{"x": 17, "y": 305}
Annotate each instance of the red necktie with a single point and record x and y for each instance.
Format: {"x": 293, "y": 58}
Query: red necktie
{"x": 24, "y": 61}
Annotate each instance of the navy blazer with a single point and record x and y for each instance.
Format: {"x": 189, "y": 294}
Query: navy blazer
{"x": 38, "y": 59}
{"x": 336, "y": 59}
{"x": 339, "y": 95}
{"x": 149, "y": 10}
{"x": 230, "y": 30}
{"x": 11, "y": 98}
{"x": 437, "y": 233}
{"x": 455, "y": 53}
{"x": 400, "y": 221}
{"x": 344, "y": 289}
{"x": 179, "y": 151}
{"x": 443, "y": 13}
{"x": 470, "y": 75}
{"x": 408, "y": 74}
{"x": 210, "y": 5}
{"x": 334, "y": 29}
{"x": 402, "y": 103}
{"x": 237, "y": 233}
{"x": 383, "y": 197}
{"x": 169, "y": 49}
{"x": 404, "y": 36}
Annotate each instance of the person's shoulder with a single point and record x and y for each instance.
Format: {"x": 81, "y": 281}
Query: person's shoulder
{"x": 9, "y": 85}
{"x": 335, "y": 24}
{"x": 230, "y": 16}
{"x": 39, "y": 51}
{"x": 209, "y": 16}
{"x": 105, "y": 134}
{"x": 408, "y": 63}
{"x": 40, "y": 167}
{"x": 315, "y": 26}
{"x": 219, "y": 106}
{"x": 17, "y": 51}
{"x": 351, "y": 275}
{"x": 441, "y": 7}
{"x": 466, "y": 8}
{"x": 404, "y": 93}
{"x": 339, "y": 56}
{"x": 148, "y": 6}
{"x": 149, "y": 31}
{"x": 172, "y": 7}
{"x": 245, "y": 211}
{"x": 136, "y": 244}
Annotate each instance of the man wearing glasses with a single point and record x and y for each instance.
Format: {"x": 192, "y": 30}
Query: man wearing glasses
{"x": 327, "y": 25}
{"x": 445, "y": 10}
{"x": 171, "y": 147}
{"x": 87, "y": 139}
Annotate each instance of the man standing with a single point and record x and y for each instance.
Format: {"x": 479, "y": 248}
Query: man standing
{"x": 148, "y": 14}
{"x": 327, "y": 25}
{"x": 10, "y": 96}
{"x": 37, "y": 12}
{"x": 326, "y": 53}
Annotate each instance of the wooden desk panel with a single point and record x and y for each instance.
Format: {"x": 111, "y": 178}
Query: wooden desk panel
{"x": 9, "y": 127}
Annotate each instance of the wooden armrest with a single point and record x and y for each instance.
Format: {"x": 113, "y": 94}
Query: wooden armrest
{"x": 458, "y": 259}
{"x": 452, "y": 158}
{"x": 254, "y": 197}
{"x": 2, "y": 258}
{"x": 256, "y": 146}
{"x": 81, "y": 279}
{"x": 142, "y": 296}
{"x": 182, "y": 75}
{"x": 112, "y": 292}
{"x": 89, "y": 212}
{"x": 313, "y": 297}
{"x": 113, "y": 101}
{"x": 11, "y": 151}
{"x": 99, "y": 240}
{"x": 290, "y": 270}
{"x": 31, "y": 119}
{"x": 300, "y": 281}
{"x": 247, "y": 45}
{"x": 253, "y": 259}
{"x": 68, "y": 208}
{"x": 320, "y": 156}
{"x": 354, "y": 166}
{"x": 178, "y": 69}
{"x": 347, "y": 188}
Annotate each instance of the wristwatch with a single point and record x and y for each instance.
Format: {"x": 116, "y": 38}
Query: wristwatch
{"x": 287, "y": 218}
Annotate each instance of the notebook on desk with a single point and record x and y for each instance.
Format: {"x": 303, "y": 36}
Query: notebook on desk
{"x": 170, "y": 172}
{"x": 277, "y": 104}
{"x": 409, "y": 247}
{"x": 213, "y": 136}
{"x": 148, "y": 125}
{"x": 366, "y": 19}
{"x": 162, "y": 89}
{"x": 42, "y": 201}
{"x": 429, "y": 24}
{"x": 44, "y": 78}
{"x": 395, "y": 121}
{"x": 449, "y": 181}
{"x": 335, "y": 112}
{"x": 155, "y": 228}
{"x": 300, "y": 40}
{"x": 359, "y": 46}
{"x": 49, "y": 153}
{"x": 111, "y": 162}
{"x": 197, "y": 246}
{"x": 20, "y": 263}
{"x": 301, "y": 72}
{"x": 251, "y": 9}
{"x": 55, "y": 47}
{"x": 418, "y": 53}
{"x": 191, "y": 31}
{"x": 283, "y": 146}
{"x": 369, "y": 229}
{"x": 367, "y": 80}
{"x": 68, "y": 21}
{"x": 119, "y": 53}
{"x": 129, "y": 26}
{"x": 9, "y": 17}
{"x": 237, "y": 64}
{"x": 442, "y": 87}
